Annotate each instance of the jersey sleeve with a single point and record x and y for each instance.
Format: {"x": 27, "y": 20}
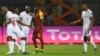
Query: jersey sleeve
{"x": 41, "y": 15}
{"x": 9, "y": 15}
{"x": 90, "y": 13}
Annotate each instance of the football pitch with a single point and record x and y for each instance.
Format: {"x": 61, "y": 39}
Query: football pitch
{"x": 54, "y": 50}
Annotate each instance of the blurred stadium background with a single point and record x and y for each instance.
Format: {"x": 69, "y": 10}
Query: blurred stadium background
{"x": 57, "y": 13}
{"x": 53, "y": 10}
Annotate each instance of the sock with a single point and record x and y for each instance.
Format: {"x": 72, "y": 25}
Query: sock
{"x": 93, "y": 44}
{"x": 35, "y": 44}
{"x": 23, "y": 45}
{"x": 34, "y": 41}
{"x": 16, "y": 43}
{"x": 85, "y": 47}
{"x": 42, "y": 44}
{"x": 11, "y": 46}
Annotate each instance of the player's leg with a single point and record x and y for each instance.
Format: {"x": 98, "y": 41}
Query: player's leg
{"x": 94, "y": 45}
{"x": 22, "y": 45}
{"x": 16, "y": 43}
{"x": 34, "y": 37}
{"x": 10, "y": 40}
{"x": 24, "y": 31}
{"x": 85, "y": 41}
{"x": 85, "y": 44}
{"x": 21, "y": 35}
{"x": 10, "y": 44}
{"x": 40, "y": 35}
{"x": 91, "y": 41}
{"x": 26, "y": 35}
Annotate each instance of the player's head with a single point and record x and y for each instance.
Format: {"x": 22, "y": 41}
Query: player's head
{"x": 84, "y": 6}
{"x": 27, "y": 9}
{"x": 15, "y": 10}
{"x": 4, "y": 9}
{"x": 36, "y": 8}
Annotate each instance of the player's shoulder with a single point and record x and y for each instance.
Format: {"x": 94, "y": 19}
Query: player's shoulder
{"x": 89, "y": 10}
{"x": 83, "y": 12}
{"x": 23, "y": 12}
{"x": 9, "y": 12}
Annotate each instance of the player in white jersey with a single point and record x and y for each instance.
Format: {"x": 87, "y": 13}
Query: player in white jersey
{"x": 18, "y": 31}
{"x": 13, "y": 31}
{"x": 26, "y": 18}
{"x": 16, "y": 43}
{"x": 10, "y": 40}
{"x": 87, "y": 17}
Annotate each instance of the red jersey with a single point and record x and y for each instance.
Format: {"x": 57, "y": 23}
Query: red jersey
{"x": 38, "y": 17}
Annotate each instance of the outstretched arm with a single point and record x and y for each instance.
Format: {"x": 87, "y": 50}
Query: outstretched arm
{"x": 22, "y": 23}
{"x": 77, "y": 21}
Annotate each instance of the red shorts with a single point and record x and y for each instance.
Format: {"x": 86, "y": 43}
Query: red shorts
{"x": 39, "y": 33}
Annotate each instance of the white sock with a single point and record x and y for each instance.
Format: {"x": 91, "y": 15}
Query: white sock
{"x": 16, "y": 43}
{"x": 85, "y": 46}
{"x": 23, "y": 45}
{"x": 11, "y": 46}
{"x": 93, "y": 44}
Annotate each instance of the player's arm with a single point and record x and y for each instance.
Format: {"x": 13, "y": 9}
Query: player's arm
{"x": 20, "y": 22}
{"x": 41, "y": 14}
{"x": 77, "y": 21}
{"x": 41, "y": 18}
{"x": 92, "y": 21}
{"x": 7, "y": 22}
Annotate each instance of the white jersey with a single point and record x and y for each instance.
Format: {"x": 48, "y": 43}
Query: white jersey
{"x": 13, "y": 29}
{"x": 26, "y": 18}
{"x": 86, "y": 16}
{"x": 16, "y": 18}
{"x": 9, "y": 15}
{"x": 17, "y": 33}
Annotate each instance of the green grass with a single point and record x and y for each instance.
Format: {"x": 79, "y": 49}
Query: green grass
{"x": 54, "y": 50}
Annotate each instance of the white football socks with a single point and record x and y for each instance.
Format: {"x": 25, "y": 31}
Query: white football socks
{"x": 11, "y": 46}
{"x": 85, "y": 46}
{"x": 23, "y": 45}
{"x": 93, "y": 44}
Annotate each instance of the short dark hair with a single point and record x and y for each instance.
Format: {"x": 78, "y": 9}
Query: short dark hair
{"x": 13, "y": 9}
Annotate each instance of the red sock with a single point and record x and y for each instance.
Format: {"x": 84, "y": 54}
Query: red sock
{"x": 34, "y": 41}
{"x": 42, "y": 43}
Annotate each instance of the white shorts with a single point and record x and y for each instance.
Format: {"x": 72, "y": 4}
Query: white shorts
{"x": 25, "y": 30}
{"x": 15, "y": 32}
{"x": 86, "y": 32}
